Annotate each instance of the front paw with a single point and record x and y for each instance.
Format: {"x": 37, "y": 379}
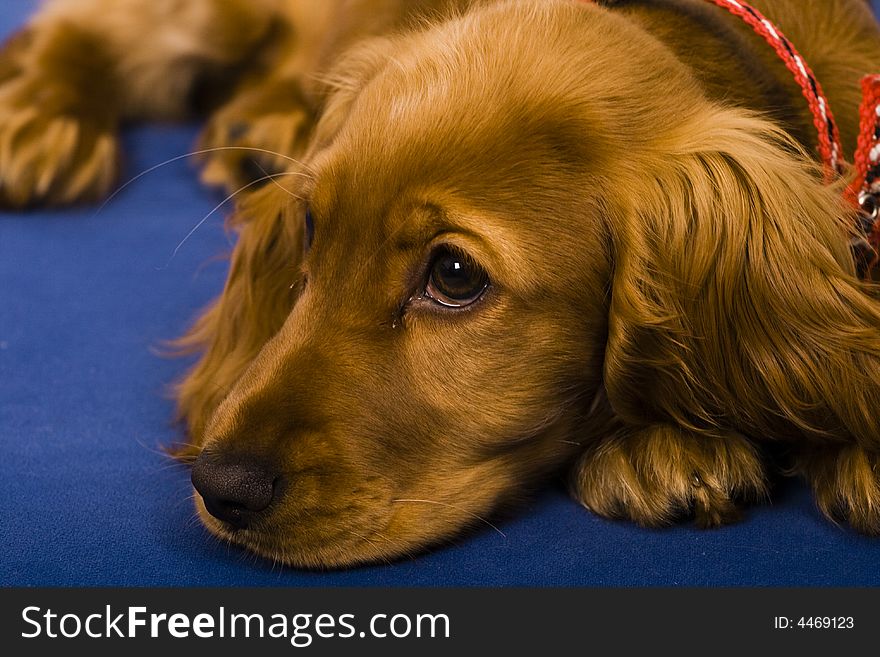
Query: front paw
{"x": 656, "y": 474}
{"x": 255, "y": 136}
{"x": 846, "y": 482}
{"x": 51, "y": 154}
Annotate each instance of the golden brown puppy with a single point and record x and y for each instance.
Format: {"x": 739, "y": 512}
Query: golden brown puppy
{"x": 507, "y": 239}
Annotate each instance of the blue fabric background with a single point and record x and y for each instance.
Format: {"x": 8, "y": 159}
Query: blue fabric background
{"x": 87, "y": 498}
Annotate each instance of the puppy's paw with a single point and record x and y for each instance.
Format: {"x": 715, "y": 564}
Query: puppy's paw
{"x": 58, "y": 141}
{"x": 846, "y": 483}
{"x": 254, "y": 136}
{"x": 51, "y": 158}
{"x": 659, "y": 473}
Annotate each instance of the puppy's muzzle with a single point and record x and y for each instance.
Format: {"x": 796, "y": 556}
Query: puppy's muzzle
{"x": 236, "y": 492}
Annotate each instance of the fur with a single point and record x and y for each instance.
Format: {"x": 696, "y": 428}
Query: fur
{"x": 670, "y": 287}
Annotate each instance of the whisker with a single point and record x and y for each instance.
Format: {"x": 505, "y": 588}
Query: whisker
{"x": 194, "y": 521}
{"x": 364, "y": 538}
{"x": 188, "y": 500}
{"x": 186, "y": 444}
{"x": 153, "y": 450}
{"x": 169, "y": 462}
{"x": 278, "y": 184}
{"x": 176, "y": 460}
{"x": 458, "y": 508}
{"x": 384, "y": 539}
{"x": 203, "y": 151}
{"x": 220, "y": 205}
{"x": 167, "y": 467}
{"x": 374, "y": 545}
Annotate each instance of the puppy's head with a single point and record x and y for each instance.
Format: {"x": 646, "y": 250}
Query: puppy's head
{"x": 463, "y": 211}
{"x": 446, "y": 341}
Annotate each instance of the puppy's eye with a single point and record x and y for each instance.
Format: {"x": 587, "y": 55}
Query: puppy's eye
{"x": 454, "y": 279}
{"x": 309, "y": 229}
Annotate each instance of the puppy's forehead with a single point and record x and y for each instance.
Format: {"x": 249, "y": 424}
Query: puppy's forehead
{"x": 470, "y": 138}
{"x": 403, "y": 165}
{"x": 531, "y": 238}
{"x": 525, "y": 216}
{"x": 409, "y": 220}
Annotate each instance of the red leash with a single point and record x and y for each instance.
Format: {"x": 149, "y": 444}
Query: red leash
{"x": 829, "y": 137}
{"x": 864, "y": 191}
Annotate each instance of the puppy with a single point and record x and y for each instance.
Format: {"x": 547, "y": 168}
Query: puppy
{"x": 493, "y": 242}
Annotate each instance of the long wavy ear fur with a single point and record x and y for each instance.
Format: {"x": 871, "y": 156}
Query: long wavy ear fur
{"x": 734, "y": 301}
{"x": 262, "y": 286}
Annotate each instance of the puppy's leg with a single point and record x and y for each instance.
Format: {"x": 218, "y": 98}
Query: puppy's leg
{"x": 256, "y": 133}
{"x": 846, "y": 482}
{"x": 325, "y": 53}
{"x": 655, "y": 474}
{"x": 271, "y": 116}
{"x": 57, "y": 118}
{"x": 82, "y": 66}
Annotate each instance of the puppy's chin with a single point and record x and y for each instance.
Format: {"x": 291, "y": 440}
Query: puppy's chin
{"x": 318, "y": 539}
{"x": 307, "y": 549}
{"x": 319, "y": 515}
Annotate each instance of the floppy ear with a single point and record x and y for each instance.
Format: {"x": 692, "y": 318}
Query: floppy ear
{"x": 263, "y": 283}
{"x": 734, "y": 300}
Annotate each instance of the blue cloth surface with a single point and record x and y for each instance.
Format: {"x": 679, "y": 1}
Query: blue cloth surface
{"x": 88, "y": 499}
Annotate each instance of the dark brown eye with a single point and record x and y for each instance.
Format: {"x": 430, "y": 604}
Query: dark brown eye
{"x": 454, "y": 279}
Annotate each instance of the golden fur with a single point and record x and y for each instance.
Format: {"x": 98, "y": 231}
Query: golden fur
{"x": 671, "y": 287}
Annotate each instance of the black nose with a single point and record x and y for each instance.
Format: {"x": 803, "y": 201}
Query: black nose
{"x": 234, "y": 491}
